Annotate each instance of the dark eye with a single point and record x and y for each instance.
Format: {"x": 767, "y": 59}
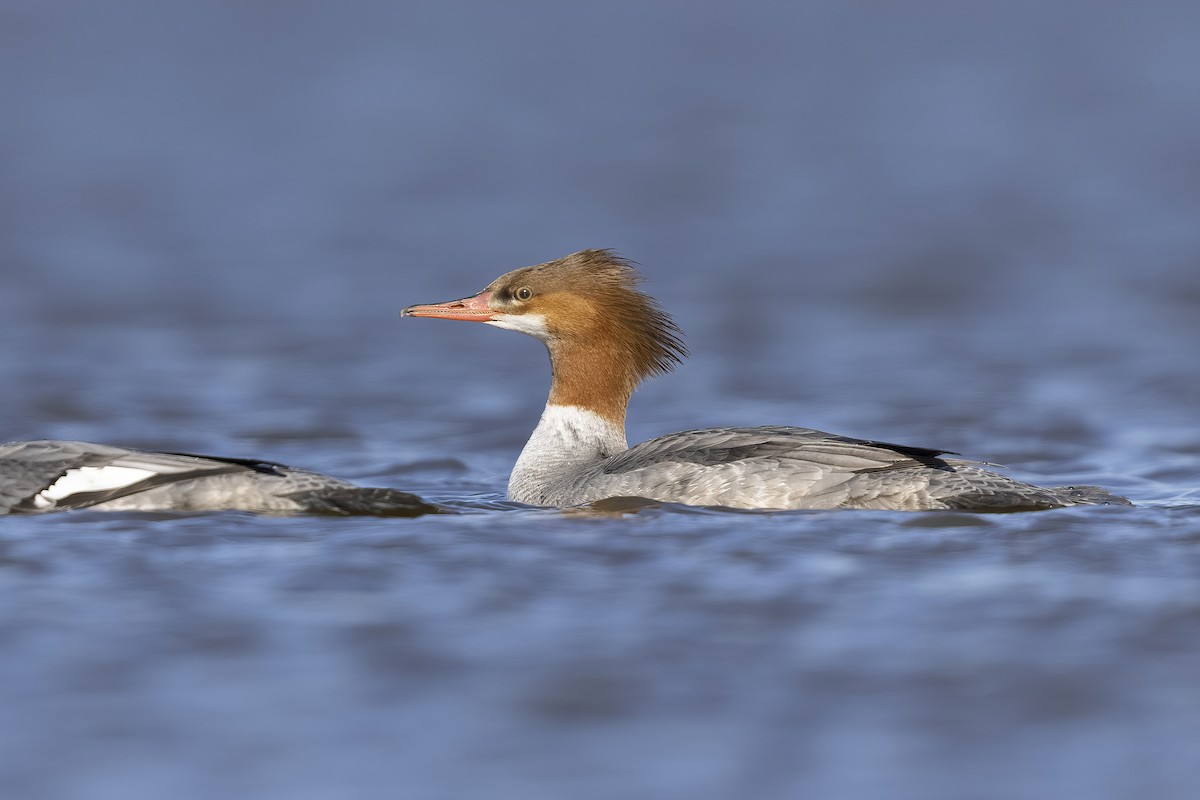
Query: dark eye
{"x": 524, "y": 293}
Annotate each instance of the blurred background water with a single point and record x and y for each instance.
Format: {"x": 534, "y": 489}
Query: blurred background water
{"x": 971, "y": 226}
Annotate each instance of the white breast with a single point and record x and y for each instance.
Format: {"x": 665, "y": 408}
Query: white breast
{"x": 567, "y": 440}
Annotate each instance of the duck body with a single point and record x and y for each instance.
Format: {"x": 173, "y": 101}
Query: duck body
{"x": 604, "y": 337}
{"x": 769, "y": 467}
{"x": 39, "y": 477}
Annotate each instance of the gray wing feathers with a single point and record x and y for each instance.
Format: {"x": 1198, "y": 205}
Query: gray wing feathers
{"x": 27, "y": 468}
{"x": 724, "y": 445}
{"x": 769, "y": 467}
{"x": 781, "y": 467}
{"x": 30, "y": 474}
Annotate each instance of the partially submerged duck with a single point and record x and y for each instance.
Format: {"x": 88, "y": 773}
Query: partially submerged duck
{"x": 605, "y": 336}
{"x": 44, "y": 476}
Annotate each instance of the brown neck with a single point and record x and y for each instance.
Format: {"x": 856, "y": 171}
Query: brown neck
{"x": 591, "y": 377}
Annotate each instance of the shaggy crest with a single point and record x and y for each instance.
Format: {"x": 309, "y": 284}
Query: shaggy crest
{"x": 643, "y": 334}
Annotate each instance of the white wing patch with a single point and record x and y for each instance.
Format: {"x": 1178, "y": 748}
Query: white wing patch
{"x": 89, "y": 479}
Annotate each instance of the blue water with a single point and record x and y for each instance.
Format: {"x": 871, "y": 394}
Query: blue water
{"x": 970, "y": 228}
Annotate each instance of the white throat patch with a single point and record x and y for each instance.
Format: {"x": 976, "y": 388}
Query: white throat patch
{"x": 532, "y": 324}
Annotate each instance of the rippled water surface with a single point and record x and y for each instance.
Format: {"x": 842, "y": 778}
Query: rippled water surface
{"x": 970, "y": 230}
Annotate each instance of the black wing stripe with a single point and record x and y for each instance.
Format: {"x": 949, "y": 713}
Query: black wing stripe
{"x": 908, "y": 450}
{"x": 256, "y": 464}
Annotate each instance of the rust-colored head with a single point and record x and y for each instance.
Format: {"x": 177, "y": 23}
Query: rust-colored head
{"x": 604, "y": 335}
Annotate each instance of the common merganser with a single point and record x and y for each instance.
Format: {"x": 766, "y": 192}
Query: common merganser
{"x": 605, "y": 336}
{"x": 43, "y": 476}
